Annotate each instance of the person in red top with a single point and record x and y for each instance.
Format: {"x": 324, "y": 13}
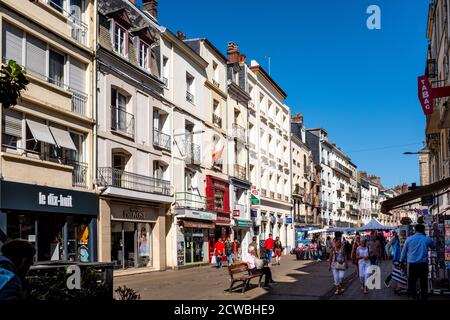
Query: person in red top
{"x": 269, "y": 244}
{"x": 219, "y": 250}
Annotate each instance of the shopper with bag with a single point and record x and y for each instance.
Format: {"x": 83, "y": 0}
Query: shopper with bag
{"x": 256, "y": 265}
{"x": 362, "y": 256}
{"x": 338, "y": 264}
{"x": 393, "y": 251}
{"x": 219, "y": 251}
{"x": 229, "y": 251}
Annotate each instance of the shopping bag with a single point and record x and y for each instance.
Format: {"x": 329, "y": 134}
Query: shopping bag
{"x": 213, "y": 260}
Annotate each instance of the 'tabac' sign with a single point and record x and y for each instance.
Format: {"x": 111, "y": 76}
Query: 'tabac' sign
{"x": 425, "y": 95}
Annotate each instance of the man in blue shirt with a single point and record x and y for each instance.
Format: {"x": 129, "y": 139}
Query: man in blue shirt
{"x": 415, "y": 253}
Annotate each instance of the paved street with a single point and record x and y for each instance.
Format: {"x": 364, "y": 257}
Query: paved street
{"x": 306, "y": 280}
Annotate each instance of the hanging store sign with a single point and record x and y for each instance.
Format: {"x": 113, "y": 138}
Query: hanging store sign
{"x": 288, "y": 220}
{"x": 244, "y": 223}
{"x": 236, "y": 213}
{"x": 254, "y": 199}
{"x": 425, "y": 95}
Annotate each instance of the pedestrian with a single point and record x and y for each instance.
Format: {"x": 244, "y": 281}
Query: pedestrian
{"x": 374, "y": 248}
{"x": 347, "y": 248}
{"x": 319, "y": 249}
{"x": 415, "y": 253}
{"x": 268, "y": 246}
{"x": 255, "y": 245}
{"x": 15, "y": 262}
{"x": 256, "y": 265}
{"x": 236, "y": 248}
{"x": 219, "y": 251}
{"x": 278, "y": 248}
{"x": 356, "y": 244}
{"x": 393, "y": 251}
{"x": 362, "y": 256}
{"x": 338, "y": 264}
{"x": 328, "y": 247}
{"x": 229, "y": 251}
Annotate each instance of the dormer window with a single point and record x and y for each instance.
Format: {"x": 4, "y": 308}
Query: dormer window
{"x": 143, "y": 54}
{"x": 120, "y": 40}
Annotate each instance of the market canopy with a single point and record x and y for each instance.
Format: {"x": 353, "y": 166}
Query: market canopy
{"x": 418, "y": 193}
{"x": 341, "y": 229}
{"x": 374, "y": 224}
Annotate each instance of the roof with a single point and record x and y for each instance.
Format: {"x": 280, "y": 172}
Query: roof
{"x": 259, "y": 69}
{"x": 212, "y": 46}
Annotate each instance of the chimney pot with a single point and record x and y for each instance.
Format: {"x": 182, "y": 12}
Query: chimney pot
{"x": 151, "y": 6}
{"x": 233, "y": 55}
{"x": 181, "y": 36}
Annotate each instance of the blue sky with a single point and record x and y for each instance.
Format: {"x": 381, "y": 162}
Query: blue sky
{"x": 360, "y": 85}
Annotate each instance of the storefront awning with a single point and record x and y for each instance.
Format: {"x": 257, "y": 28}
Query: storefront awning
{"x": 40, "y": 132}
{"x": 418, "y": 193}
{"x": 63, "y": 138}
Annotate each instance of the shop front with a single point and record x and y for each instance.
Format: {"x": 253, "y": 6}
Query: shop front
{"x": 61, "y": 223}
{"x": 132, "y": 235}
{"x": 195, "y": 236}
{"x": 242, "y": 233}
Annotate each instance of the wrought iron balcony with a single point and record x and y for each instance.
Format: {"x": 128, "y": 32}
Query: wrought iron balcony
{"x": 111, "y": 177}
{"x": 217, "y": 120}
{"x": 79, "y": 101}
{"x": 190, "y": 97}
{"x": 240, "y": 172}
{"x": 165, "y": 81}
{"x": 122, "y": 121}
{"x": 279, "y": 196}
{"x": 300, "y": 191}
{"x": 79, "y": 174}
{"x": 162, "y": 140}
{"x": 272, "y": 195}
{"x": 187, "y": 200}
{"x": 264, "y": 192}
{"x": 191, "y": 152}
{"x": 239, "y": 133}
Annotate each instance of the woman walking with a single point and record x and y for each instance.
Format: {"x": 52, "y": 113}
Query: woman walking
{"x": 338, "y": 264}
{"x": 278, "y": 248}
{"x": 363, "y": 257}
{"x": 356, "y": 244}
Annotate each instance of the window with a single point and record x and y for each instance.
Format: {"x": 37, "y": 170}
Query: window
{"x": 11, "y": 129}
{"x": 119, "y": 103}
{"x": 189, "y": 88}
{"x": 215, "y": 72}
{"x": 143, "y": 55}
{"x": 165, "y": 71}
{"x": 58, "y": 5}
{"x": 56, "y": 68}
{"x": 120, "y": 40}
{"x": 12, "y": 43}
{"x": 36, "y": 56}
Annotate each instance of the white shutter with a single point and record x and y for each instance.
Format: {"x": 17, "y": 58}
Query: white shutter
{"x": 77, "y": 75}
{"x": 12, "y": 123}
{"x": 12, "y": 43}
{"x": 35, "y": 60}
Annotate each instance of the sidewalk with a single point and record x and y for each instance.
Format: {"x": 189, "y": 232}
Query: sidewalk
{"x": 296, "y": 280}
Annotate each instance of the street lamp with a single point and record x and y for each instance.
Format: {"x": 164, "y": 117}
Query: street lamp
{"x": 423, "y": 151}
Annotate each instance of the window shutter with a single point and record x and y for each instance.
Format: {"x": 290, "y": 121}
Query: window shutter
{"x": 12, "y": 43}
{"x": 77, "y": 75}
{"x": 36, "y": 50}
{"x": 12, "y": 123}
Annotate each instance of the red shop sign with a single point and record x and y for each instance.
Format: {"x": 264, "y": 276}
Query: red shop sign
{"x": 425, "y": 95}
{"x": 236, "y": 213}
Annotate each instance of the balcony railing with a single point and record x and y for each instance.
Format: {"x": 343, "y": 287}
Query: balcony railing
{"x": 165, "y": 81}
{"x": 286, "y": 198}
{"x": 122, "y": 121}
{"x": 79, "y": 100}
{"x": 240, "y": 172}
{"x": 187, "y": 200}
{"x": 79, "y": 28}
{"x": 189, "y": 97}
{"x": 279, "y": 196}
{"x": 216, "y": 83}
{"x": 191, "y": 152}
{"x": 217, "y": 120}
{"x": 239, "y": 133}
{"x": 79, "y": 174}
{"x": 161, "y": 140}
{"x": 299, "y": 190}
{"x": 272, "y": 195}
{"x": 111, "y": 177}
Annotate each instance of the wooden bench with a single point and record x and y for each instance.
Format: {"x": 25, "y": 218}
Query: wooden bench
{"x": 241, "y": 273}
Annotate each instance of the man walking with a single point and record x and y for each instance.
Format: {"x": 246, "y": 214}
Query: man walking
{"x": 219, "y": 251}
{"x": 269, "y": 244}
{"x": 415, "y": 253}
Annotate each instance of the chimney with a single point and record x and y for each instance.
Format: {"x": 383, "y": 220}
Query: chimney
{"x": 233, "y": 55}
{"x": 243, "y": 59}
{"x": 133, "y": 2}
{"x": 151, "y": 6}
{"x": 297, "y": 118}
{"x": 181, "y": 36}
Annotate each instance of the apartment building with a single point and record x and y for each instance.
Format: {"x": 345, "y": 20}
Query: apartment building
{"x": 435, "y": 159}
{"x": 47, "y": 161}
{"x": 273, "y": 178}
{"x": 344, "y": 195}
{"x": 238, "y": 155}
{"x": 364, "y": 198}
{"x": 305, "y": 180}
{"x": 317, "y": 141}
{"x": 133, "y": 137}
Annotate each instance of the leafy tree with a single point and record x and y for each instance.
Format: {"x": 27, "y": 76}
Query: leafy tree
{"x": 13, "y": 80}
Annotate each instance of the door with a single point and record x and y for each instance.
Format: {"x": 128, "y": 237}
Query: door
{"x": 119, "y": 162}
{"x": 117, "y": 245}
{"x": 130, "y": 244}
{"x": 188, "y": 246}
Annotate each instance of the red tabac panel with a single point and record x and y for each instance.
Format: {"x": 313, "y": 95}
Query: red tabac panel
{"x": 213, "y": 184}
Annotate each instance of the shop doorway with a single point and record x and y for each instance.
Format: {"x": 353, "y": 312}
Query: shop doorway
{"x": 195, "y": 247}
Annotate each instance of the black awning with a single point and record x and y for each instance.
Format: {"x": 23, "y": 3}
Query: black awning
{"x": 418, "y": 193}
